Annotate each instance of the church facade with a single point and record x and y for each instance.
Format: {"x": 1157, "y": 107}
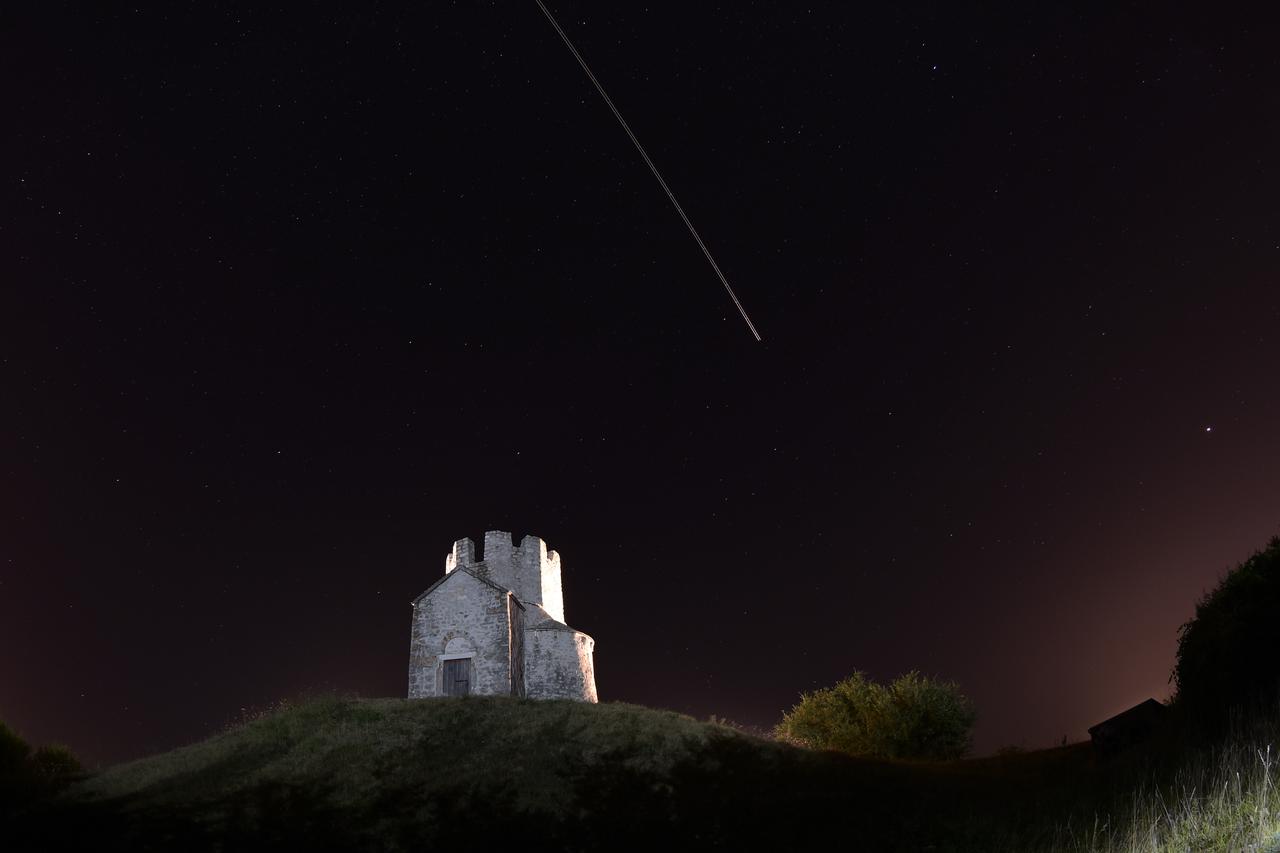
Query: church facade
{"x": 495, "y": 626}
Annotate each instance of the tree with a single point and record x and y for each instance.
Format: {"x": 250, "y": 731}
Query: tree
{"x": 1226, "y": 659}
{"x": 911, "y": 717}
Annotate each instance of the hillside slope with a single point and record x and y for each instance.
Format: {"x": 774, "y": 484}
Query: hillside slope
{"x": 393, "y": 774}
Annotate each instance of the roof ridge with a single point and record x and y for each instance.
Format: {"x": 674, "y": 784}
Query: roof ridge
{"x": 464, "y": 571}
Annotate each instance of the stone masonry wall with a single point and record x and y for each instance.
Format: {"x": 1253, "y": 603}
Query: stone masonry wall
{"x": 467, "y": 609}
{"x": 559, "y": 664}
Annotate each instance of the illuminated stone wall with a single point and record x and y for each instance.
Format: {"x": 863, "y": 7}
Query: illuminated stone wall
{"x": 463, "y": 615}
{"x": 558, "y": 663}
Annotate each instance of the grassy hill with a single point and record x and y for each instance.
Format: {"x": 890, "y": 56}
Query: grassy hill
{"x": 393, "y": 774}
{"x": 483, "y": 773}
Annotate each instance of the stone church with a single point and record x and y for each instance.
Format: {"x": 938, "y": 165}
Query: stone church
{"x": 495, "y": 626}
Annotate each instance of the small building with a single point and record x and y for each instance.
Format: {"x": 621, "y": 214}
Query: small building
{"x": 1126, "y": 728}
{"x": 495, "y": 626}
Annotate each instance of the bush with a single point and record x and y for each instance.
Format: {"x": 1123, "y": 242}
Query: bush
{"x": 25, "y": 775}
{"x": 1226, "y": 659}
{"x": 55, "y": 764}
{"x": 912, "y": 717}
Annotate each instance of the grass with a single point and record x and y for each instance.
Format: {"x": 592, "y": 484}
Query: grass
{"x": 367, "y": 748}
{"x": 394, "y": 774}
{"x": 1220, "y": 798}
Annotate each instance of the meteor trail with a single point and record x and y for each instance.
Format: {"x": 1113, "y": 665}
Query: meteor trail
{"x": 652, "y": 168}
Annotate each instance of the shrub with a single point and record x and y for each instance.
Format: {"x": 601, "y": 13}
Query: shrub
{"x": 912, "y": 717}
{"x": 1226, "y": 659}
{"x": 55, "y": 764}
{"x": 27, "y": 775}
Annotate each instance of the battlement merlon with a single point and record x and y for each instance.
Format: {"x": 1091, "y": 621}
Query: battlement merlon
{"x": 463, "y": 554}
{"x": 552, "y": 587}
{"x": 527, "y": 568}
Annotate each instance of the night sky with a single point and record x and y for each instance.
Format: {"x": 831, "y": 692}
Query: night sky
{"x": 292, "y": 299}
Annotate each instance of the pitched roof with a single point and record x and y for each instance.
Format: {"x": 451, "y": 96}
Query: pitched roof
{"x": 552, "y": 625}
{"x": 1140, "y": 714}
{"x": 547, "y": 623}
{"x": 484, "y": 581}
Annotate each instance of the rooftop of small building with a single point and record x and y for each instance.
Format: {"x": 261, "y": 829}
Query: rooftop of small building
{"x": 462, "y": 570}
{"x": 543, "y": 621}
{"x": 1137, "y": 715}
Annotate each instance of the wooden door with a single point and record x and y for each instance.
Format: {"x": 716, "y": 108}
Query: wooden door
{"x": 457, "y": 677}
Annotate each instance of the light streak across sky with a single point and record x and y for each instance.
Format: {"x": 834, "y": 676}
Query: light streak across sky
{"x": 652, "y": 168}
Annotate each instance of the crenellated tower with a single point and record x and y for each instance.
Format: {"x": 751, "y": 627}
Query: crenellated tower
{"x": 526, "y": 568}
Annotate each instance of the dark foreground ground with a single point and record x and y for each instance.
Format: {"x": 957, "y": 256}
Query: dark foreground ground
{"x": 489, "y": 773}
